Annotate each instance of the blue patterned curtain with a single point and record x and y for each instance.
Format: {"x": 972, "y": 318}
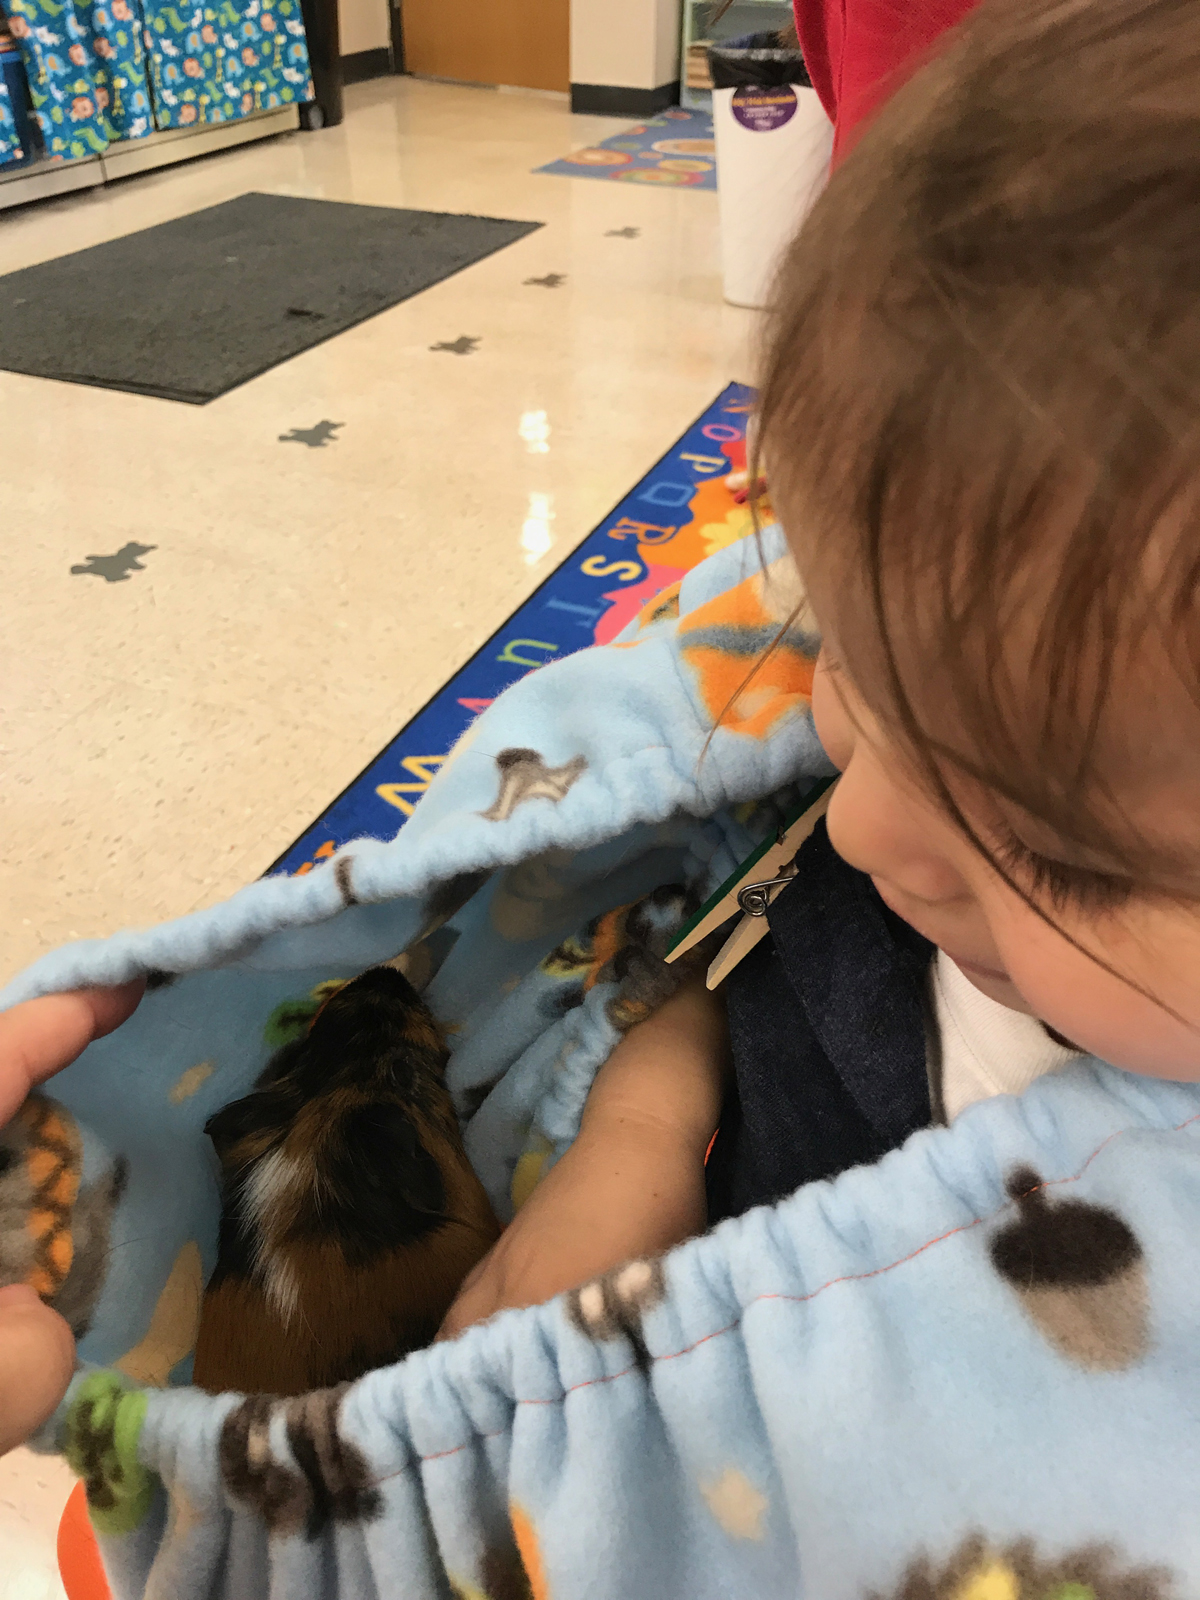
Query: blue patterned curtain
{"x": 210, "y": 63}
{"x": 86, "y": 71}
{"x": 10, "y": 140}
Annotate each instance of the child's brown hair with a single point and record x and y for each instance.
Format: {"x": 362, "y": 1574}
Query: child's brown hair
{"x": 981, "y": 417}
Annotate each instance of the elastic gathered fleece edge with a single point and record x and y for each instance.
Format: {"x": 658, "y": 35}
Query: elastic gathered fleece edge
{"x": 323, "y": 896}
{"x": 417, "y": 1461}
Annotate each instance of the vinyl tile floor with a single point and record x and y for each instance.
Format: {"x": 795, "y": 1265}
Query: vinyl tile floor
{"x": 164, "y": 738}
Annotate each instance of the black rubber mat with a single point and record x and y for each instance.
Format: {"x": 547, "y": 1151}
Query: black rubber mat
{"x": 191, "y": 308}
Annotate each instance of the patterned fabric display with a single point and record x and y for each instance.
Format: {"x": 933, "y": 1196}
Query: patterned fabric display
{"x": 87, "y": 77}
{"x": 10, "y": 143}
{"x": 88, "y": 65}
{"x": 211, "y": 63}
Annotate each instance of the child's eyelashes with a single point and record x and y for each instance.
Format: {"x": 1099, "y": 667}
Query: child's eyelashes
{"x": 1065, "y": 886}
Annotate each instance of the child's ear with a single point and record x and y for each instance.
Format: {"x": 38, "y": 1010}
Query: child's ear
{"x": 385, "y": 1184}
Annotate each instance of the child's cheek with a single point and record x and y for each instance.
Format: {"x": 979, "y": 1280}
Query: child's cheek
{"x": 1095, "y": 1010}
{"x": 834, "y": 728}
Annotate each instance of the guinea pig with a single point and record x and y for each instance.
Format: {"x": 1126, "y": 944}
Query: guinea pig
{"x": 351, "y": 1214}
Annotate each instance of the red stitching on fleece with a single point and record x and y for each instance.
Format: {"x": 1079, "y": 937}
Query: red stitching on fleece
{"x": 440, "y": 1455}
{"x": 801, "y": 1299}
{"x": 965, "y": 1227}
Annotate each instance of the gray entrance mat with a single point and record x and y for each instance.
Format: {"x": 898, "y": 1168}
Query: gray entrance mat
{"x": 191, "y": 308}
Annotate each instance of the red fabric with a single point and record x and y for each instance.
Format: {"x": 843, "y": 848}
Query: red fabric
{"x": 856, "y": 51}
{"x": 79, "y": 1561}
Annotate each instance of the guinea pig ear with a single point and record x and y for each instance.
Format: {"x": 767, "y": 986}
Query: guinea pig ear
{"x": 423, "y": 1186}
{"x": 383, "y": 1165}
{"x": 257, "y": 1112}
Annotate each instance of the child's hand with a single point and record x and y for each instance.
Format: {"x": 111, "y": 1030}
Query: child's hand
{"x": 37, "y": 1352}
{"x": 632, "y": 1184}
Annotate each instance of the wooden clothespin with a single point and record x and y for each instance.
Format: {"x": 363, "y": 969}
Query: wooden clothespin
{"x": 758, "y": 881}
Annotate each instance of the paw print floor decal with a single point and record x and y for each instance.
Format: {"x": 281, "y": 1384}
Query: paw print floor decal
{"x": 316, "y": 438}
{"x": 465, "y": 345}
{"x": 117, "y": 567}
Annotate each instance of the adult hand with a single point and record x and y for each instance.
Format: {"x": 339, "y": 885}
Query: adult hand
{"x": 37, "y": 1352}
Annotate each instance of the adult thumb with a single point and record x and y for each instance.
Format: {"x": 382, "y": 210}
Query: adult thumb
{"x": 37, "y": 1358}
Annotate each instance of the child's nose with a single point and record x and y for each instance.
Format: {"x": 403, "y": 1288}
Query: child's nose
{"x": 871, "y": 828}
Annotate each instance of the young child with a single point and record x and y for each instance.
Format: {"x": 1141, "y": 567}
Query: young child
{"x": 982, "y": 424}
{"x": 982, "y": 428}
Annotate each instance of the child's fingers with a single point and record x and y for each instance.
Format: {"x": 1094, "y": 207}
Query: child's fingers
{"x": 40, "y": 1037}
{"x": 37, "y": 1358}
{"x": 477, "y": 1298}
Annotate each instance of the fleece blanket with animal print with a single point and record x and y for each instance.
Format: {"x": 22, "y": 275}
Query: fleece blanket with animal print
{"x": 969, "y": 1371}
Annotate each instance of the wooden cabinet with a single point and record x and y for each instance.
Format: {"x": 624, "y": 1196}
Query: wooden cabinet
{"x": 519, "y": 42}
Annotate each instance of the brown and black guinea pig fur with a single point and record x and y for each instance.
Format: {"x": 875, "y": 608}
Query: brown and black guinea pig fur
{"x": 351, "y": 1214}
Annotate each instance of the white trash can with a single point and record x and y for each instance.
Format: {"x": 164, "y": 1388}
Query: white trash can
{"x": 774, "y": 144}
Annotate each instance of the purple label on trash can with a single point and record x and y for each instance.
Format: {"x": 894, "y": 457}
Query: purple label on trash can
{"x": 764, "y": 110}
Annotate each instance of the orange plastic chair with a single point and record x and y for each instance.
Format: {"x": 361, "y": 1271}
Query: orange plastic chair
{"x": 79, "y": 1563}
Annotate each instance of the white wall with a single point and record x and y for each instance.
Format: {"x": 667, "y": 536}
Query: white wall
{"x": 631, "y": 44}
{"x": 364, "y": 24}
{"x": 669, "y": 20}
